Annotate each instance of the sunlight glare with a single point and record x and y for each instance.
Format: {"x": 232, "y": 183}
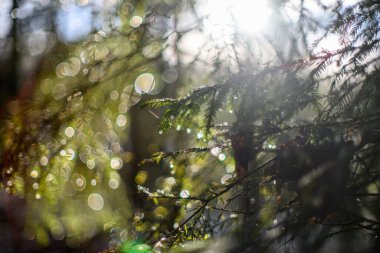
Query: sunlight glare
{"x": 247, "y": 16}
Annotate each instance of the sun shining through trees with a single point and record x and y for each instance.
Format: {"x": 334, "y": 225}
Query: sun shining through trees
{"x": 244, "y": 15}
{"x": 190, "y": 126}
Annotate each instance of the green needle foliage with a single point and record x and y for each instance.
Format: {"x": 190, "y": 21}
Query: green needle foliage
{"x": 303, "y": 141}
{"x": 275, "y": 147}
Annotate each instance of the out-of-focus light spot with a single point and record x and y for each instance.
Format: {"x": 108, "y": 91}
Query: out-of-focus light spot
{"x": 57, "y": 232}
{"x": 188, "y": 130}
{"x": 113, "y": 183}
{"x": 178, "y": 127}
{"x": 184, "y": 194}
{"x": 116, "y": 148}
{"x": 199, "y": 135}
{"x": 215, "y": 151}
{"x": 62, "y": 69}
{"x": 38, "y": 196}
{"x": 160, "y": 132}
{"x": 70, "y": 68}
{"x": 74, "y": 67}
{"x": 35, "y": 186}
{"x": 247, "y": 16}
{"x": 188, "y": 206}
{"x": 73, "y": 22}
{"x": 93, "y": 182}
{"x": 275, "y": 221}
{"x": 121, "y": 120}
{"x": 128, "y": 157}
{"x": 171, "y": 165}
{"x": 95, "y": 201}
{"x": 38, "y": 41}
{"x": 62, "y": 152}
{"x": 80, "y": 182}
{"x": 65, "y": 172}
{"x": 123, "y": 107}
{"x": 85, "y": 153}
{"x": 90, "y": 164}
{"x": 160, "y": 212}
{"x": 46, "y": 86}
{"x": 145, "y": 83}
{"x": 70, "y": 154}
{"x": 114, "y": 95}
{"x": 9, "y": 171}
{"x": 170, "y": 75}
{"x": 69, "y": 132}
{"x": 136, "y": 21}
{"x": 34, "y": 174}
{"x": 222, "y": 157}
{"x": 233, "y": 215}
{"x": 226, "y": 179}
{"x": 86, "y": 57}
{"x": 44, "y": 161}
{"x": 141, "y": 177}
{"x": 171, "y": 180}
{"x": 230, "y": 168}
{"x": 59, "y": 91}
{"x": 116, "y": 163}
{"x": 15, "y": 13}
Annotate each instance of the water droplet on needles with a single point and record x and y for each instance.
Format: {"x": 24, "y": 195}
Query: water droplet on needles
{"x": 222, "y": 157}
{"x": 184, "y": 194}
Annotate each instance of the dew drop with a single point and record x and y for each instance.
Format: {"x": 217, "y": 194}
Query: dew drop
{"x": 184, "y": 194}
{"x": 222, "y": 157}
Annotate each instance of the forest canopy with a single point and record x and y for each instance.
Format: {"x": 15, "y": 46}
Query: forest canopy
{"x": 190, "y": 126}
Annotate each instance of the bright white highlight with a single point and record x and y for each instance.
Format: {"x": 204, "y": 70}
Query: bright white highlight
{"x": 247, "y": 16}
